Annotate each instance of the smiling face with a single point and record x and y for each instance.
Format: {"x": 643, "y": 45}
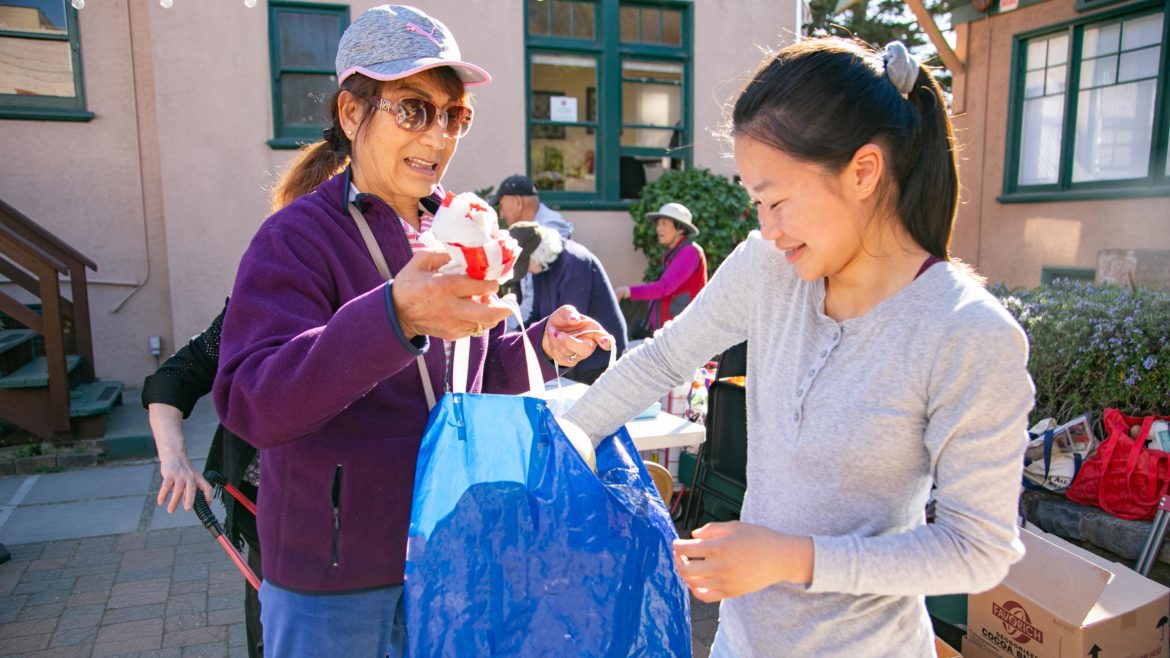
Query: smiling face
{"x": 805, "y": 210}
{"x": 389, "y": 161}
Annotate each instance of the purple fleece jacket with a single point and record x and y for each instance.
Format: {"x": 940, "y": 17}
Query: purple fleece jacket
{"x": 314, "y": 371}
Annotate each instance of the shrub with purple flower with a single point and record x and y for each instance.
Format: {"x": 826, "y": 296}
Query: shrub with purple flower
{"x": 1094, "y": 347}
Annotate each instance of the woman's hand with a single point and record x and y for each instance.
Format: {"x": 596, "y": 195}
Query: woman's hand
{"x": 725, "y": 560}
{"x": 570, "y": 337}
{"x": 429, "y": 303}
{"x": 179, "y": 478}
{"x": 622, "y": 292}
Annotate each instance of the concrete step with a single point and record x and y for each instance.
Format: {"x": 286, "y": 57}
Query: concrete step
{"x": 35, "y": 373}
{"x": 94, "y": 398}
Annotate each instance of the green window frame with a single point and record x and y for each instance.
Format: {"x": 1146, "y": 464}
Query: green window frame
{"x": 634, "y": 47}
{"x": 28, "y": 104}
{"x": 303, "y": 73}
{"x": 1067, "y": 80}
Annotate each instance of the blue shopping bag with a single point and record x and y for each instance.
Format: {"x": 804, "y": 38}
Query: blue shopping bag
{"x": 517, "y": 548}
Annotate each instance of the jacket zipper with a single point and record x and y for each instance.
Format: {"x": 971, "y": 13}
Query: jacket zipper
{"x": 336, "y": 512}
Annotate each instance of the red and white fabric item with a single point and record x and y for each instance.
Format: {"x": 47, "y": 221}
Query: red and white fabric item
{"x": 467, "y": 228}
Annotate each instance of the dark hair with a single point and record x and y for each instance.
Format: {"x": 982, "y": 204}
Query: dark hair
{"x": 822, "y": 99}
{"x": 318, "y": 161}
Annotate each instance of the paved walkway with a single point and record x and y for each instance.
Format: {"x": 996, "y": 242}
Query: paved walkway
{"x": 98, "y": 569}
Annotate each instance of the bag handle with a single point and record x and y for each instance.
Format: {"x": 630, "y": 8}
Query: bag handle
{"x": 383, "y": 269}
{"x": 461, "y": 356}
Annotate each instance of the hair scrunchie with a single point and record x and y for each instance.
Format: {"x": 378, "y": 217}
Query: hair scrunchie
{"x": 901, "y": 67}
{"x": 333, "y": 138}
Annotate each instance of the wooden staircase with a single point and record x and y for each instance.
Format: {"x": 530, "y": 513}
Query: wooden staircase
{"x": 47, "y": 383}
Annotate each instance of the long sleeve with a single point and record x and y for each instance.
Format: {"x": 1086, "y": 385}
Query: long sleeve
{"x": 709, "y": 325}
{"x": 290, "y": 362}
{"x": 680, "y": 268}
{"x": 979, "y": 397}
{"x": 188, "y": 374}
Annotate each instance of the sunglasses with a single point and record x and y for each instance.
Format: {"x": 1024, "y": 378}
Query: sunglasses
{"x": 418, "y": 115}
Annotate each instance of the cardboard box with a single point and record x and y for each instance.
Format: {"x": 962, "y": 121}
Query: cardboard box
{"x": 1061, "y": 601}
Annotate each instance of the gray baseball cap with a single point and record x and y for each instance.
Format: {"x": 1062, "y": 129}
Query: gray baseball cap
{"x": 392, "y": 42}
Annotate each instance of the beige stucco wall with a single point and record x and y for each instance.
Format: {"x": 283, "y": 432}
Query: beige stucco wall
{"x": 164, "y": 188}
{"x": 1011, "y": 242}
{"x": 86, "y": 183}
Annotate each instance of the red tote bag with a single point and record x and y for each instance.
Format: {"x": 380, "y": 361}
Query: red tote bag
{"x": 1124, "y": 477}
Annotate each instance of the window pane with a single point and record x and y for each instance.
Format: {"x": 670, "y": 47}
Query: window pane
{"x": 36, "y": 67}
{"x": 651, "y": 25}
{"x": 538, "y": 18}
{"x": 562, "y": 14}
{"x": 557, "y": 77}
{"x": 1101, "y": 40}
{"x": 1144, "y": 31}
{"x": 303, "y": 97}
{"x": 565, "y": 160}
{"x": 629, "y": 24}
{"x": 672, "y": 27}
{"x": 1054, "y": 82}
{"x": 1040, "y": 140}
{"x": 1034, "y": 84}
{"x": 1058, "y": 50}
{"x": 1036, "y": 57}
{"x": 583, "y": 20}
{"x": 1098, "y": 72}
{"x": 1114, "y": 130}
{"x": 38, "y": 16}
{"x": 1139, "y": 64}
{"x": 308, "y": 40}
{"x": 651, "y": 95}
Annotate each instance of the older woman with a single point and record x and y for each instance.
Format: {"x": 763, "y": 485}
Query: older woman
{"x": 684, "y": 266}
{"x": 328, "y": 367}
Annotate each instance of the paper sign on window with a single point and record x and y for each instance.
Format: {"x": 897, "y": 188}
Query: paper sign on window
{"x": 562, "y": 109}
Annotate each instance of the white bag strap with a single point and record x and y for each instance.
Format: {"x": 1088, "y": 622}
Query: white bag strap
{"x": 462, "y": 356}
{"x": 384, "y": 270}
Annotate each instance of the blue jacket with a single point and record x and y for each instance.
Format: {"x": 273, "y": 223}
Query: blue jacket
{"x": 314, "y": 370}
{"x": 576, "y": 277}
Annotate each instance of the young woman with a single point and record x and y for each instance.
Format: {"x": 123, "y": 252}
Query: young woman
{"x": 684, "y": 266}
{"x": 878, "y": 369}
{"x": 326, "y": 366}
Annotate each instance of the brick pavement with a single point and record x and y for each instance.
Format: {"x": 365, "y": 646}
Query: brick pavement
{"x": 158, "y": 593}
{"x": 147, "y": 593}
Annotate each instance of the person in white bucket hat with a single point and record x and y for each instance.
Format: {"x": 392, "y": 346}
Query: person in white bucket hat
{"x": 337, "y": 332}
{"x": 684, "y": 268}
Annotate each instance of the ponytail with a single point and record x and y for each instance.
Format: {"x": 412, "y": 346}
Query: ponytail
{"x": 321, "y": 160}
{"x": 928, "y": 182}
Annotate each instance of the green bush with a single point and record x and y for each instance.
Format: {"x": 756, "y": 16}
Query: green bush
{"x": 721, "y": 209}
{"x": 1094, "y": 347}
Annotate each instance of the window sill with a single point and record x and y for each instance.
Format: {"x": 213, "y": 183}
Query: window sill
{"x": 33, "y": 114}
{"x": 289, "y": 143}
{"x": 1083, "y": 195}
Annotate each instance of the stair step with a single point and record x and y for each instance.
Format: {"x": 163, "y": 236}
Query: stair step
{"x": 35, "y": 373}
{"x": 10, "y": 338}
{"x": 94, "y": 398}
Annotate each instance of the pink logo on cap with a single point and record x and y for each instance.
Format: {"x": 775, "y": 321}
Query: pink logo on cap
{"x": 411, "y": 27}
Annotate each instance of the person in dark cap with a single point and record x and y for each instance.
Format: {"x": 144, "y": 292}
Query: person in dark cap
{"x": 684, "y": 266}
{"x": 564, "y": 272}
{"x": 519, "y": 201}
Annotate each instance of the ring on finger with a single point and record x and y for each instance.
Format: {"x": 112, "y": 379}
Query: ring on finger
{"x": 572, "y": 357}
{"x": 478, "y": 330}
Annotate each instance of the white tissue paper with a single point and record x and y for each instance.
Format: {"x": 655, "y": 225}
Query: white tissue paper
{"x": 466, "y": 227}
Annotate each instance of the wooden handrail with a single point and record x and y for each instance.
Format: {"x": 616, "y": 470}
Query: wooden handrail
{"x": 38, "y": 235}
{"x": 35, "y": 259}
